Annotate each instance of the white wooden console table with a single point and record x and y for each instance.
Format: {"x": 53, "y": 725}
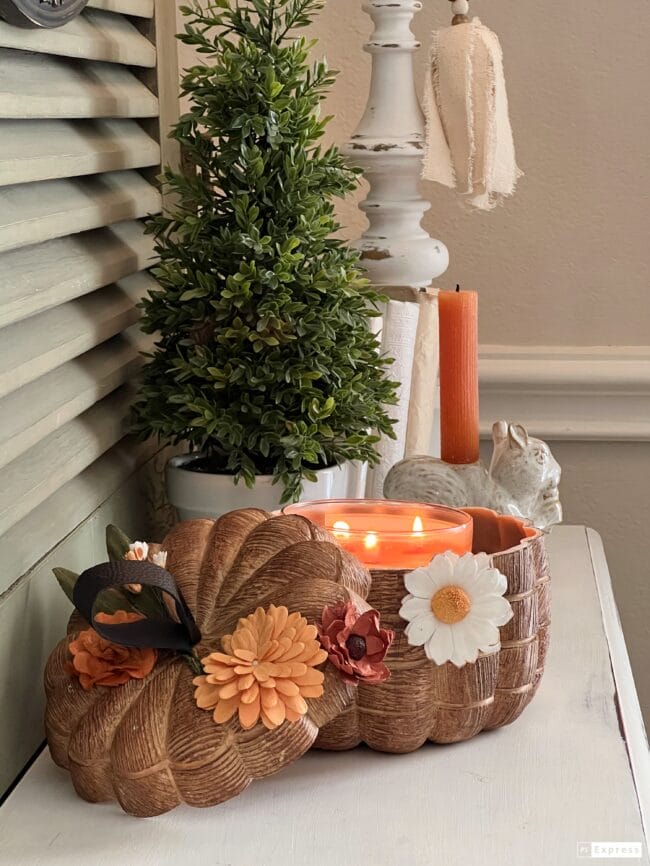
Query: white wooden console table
{"x": 572, "y": 771}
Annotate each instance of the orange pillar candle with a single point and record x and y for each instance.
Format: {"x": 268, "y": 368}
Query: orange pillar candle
{"x": 459, "y": 423}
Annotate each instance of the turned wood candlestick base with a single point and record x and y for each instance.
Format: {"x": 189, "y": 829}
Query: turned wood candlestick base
{"x": 388, "y": 144}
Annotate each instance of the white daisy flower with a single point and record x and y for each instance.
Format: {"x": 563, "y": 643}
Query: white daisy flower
{"x": 139, "y": 551}
{"x": 160, "y": 558}
{"x": 455, "y": 606}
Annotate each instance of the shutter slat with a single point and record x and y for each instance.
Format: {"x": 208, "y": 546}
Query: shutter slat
{"x": 35, "y": 212}
{"x": 138, "y": 8}
{"x": 28, "y": 481}
{"x": 34, "y": 279}
{"x": 38, "y": 85}
{"x": 93, "y": 35}
{"x": 74, "y": 147}
{"x": 37, "y": 533}
{"x": 84, "y": 114}
{"x": 33, "y": 412}
{"x": 35, "y": 346}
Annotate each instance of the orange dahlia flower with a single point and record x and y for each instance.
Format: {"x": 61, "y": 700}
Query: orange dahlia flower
{"x": 266, "y": 671}
{"x": 98, "y": 662}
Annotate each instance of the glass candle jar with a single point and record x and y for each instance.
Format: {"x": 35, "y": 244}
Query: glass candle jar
{"x": 390, "y": 535}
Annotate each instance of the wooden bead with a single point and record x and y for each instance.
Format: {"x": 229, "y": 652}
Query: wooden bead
{"x": 460, "y": 7}
{"x": 460, "y": 19}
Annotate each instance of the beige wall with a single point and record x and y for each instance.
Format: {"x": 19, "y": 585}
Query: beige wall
{"x": 565, "y": 261}
{"x": 575, "y": 236}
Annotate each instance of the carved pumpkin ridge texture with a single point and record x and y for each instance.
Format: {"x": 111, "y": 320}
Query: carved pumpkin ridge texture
{"x": 146, "y": 743}
{"x": 423, "y": 701}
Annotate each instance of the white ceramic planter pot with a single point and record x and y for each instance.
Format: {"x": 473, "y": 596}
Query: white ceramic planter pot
{"x": 202, "y": 494}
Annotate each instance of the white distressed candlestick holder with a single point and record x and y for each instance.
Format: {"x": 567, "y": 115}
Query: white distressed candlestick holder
{"x": 389, "y": 145}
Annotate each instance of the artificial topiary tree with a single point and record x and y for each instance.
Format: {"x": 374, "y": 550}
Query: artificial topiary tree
{"x": 265, "y": 361}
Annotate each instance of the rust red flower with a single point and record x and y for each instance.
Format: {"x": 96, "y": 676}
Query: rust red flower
{"x": 355, "y": 644}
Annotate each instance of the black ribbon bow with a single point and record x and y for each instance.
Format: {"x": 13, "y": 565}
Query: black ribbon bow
{"x": 154, "y": 633}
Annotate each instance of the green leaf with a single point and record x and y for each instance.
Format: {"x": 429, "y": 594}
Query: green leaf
{"x": 190, "y": 294}
{"x": 117, "y": 543}
{"x": 112, "y": 600}
{"x": 67, "y": 580}
{"x": 149, "y": 601}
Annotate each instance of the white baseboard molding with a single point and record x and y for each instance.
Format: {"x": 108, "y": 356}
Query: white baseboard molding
{"x": 598, "y": 393}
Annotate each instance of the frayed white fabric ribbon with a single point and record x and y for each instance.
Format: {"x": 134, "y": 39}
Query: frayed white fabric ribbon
{"x": 469, "y": 144}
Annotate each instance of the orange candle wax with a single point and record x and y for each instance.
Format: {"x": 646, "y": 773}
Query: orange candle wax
{"x": 388, "y": 535}
{"x": 459, "y": 420}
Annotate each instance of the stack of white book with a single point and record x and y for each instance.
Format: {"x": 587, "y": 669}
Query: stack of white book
{"x": 408, "y": 330}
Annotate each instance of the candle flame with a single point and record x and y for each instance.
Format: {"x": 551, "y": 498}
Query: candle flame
{"x": 418, "y": 528}
{"x": 370, "y": 541}
{"x": 341, "y": 529}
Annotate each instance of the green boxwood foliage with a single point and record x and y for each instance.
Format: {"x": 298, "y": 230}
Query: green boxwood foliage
{"x": 264, "y": 361}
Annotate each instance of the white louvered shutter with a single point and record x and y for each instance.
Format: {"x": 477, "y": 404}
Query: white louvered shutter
{"x": 81, "y": 109}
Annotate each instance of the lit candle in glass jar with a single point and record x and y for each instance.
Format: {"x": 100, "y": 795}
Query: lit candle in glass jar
{"x": 388, "y": 535}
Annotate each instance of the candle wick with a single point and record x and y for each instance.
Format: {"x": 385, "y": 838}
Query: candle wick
{"x": 458, "y": 287}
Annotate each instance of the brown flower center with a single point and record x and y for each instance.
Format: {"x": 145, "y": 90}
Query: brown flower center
{"x": 356, "y": 646}
{"x": 450, "y": 604}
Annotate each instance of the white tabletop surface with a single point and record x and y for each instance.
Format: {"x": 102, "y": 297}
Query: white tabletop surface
{"x": 562, "y": 775}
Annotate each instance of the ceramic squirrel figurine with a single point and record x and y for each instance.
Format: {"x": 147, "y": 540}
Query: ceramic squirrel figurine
{"x": 523, "y": 479}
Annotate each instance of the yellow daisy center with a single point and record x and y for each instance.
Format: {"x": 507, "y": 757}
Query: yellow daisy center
{"x": 450, "y": 604}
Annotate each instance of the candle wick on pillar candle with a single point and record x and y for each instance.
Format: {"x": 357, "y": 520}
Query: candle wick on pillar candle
{"x": 458, "y": 287}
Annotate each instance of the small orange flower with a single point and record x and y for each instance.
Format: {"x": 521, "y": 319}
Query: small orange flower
{"x": 96, "y": 661}
{"x": 266, "y": 671}
{"x": 140, "y": 551}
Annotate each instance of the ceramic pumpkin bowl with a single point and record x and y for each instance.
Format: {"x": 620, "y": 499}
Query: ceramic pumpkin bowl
{"x": 146, "y": 743}
{"x": 443, "y": 703}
